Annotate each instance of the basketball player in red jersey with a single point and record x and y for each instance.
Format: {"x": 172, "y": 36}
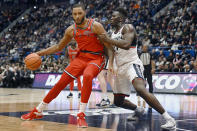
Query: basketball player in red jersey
{"x": 72, "y": 52}
{"x": 89, "y": 62}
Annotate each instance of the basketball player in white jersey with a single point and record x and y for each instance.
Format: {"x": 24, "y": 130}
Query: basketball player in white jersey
{"x": 129, "y": 68}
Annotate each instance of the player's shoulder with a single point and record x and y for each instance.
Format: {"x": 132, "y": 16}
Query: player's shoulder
{"x": 96, "y": 27}
{"x": 69, "y": 30}
{"x": 129, "y": 26}
{"x": 96, "y": 24}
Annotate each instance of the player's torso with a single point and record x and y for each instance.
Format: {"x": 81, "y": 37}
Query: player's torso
{"x": 86, "y": 38}
{"x": 123, "y": 56}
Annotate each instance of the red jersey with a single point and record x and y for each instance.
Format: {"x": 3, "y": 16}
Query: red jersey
{"x": 87, "y": 40}
{"x": 72, "y": 53}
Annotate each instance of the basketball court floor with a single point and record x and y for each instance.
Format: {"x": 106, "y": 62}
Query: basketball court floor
{"x": 61, "y": 113}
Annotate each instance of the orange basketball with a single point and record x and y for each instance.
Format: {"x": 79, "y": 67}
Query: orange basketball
{"x": 33, "y": 61}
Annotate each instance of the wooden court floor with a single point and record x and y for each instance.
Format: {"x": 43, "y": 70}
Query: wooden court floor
{"x": 61, "y": 112}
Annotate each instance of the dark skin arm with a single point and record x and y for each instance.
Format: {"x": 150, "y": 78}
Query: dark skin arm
{"x": 66, "y": 55}
{"x": 128, "y": 33}
{"x": 60, "y": 46}
{"x": 99, "y": 30}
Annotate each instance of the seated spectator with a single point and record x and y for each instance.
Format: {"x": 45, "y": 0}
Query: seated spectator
{"x": 170, "y": 57}
{"x": 170, "y": 67}
{"x": 184, "y": 55}
{"x": 194, "y": 69}
{"x": 164, "y": 41}
{"x": 177, "y": 59}
{"x": 166, "y": 67}
{"x": 175, "y": 46}
{"x": 186, "y": 66}
{"x": 178, "y": 32}
{"x": 146, "y": 41}
{"x": 160, "y": 61}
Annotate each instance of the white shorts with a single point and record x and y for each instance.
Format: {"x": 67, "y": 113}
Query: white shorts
{"x": 125, "y": 75}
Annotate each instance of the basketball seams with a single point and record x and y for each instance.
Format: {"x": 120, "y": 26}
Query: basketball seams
{"x": 36, "y": 62}
{"x": 30, "y": 57}
{"x": 33, "y": 63}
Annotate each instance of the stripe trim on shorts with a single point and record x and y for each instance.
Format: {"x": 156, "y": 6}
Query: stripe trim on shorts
{"x": 98, "y": 65}
{"x": 138, "y": 71}
{"x": 69, "y": 74}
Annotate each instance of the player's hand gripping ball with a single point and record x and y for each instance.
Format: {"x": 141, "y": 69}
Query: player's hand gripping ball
{"x": 33, "y": 61}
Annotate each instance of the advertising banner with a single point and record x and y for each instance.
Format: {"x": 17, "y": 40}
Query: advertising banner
{"x": 164, "y": 83}
{"x": 175, "y": 83}
{"x": 48, "y": 80}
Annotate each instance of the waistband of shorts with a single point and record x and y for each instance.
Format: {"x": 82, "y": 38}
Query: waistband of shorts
{"x": 101, "y": 53}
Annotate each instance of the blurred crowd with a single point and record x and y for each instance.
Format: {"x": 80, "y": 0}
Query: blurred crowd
{"x": 8, "y": 16}
{"x": 171, "y": 37}
{"x": 15, "y": 75}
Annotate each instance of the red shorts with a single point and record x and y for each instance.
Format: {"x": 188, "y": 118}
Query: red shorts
{"x": 79, "y": 64}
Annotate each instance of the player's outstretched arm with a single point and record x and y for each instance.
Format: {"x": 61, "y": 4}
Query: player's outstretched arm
{"x": 128, "y": 36}
{"x": 58, "y": 47}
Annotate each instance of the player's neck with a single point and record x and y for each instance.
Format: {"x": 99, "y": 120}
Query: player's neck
{"x": 118, "y": 27}
{"x": 82, "y": 25}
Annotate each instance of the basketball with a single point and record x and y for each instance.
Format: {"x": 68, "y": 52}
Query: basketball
{"x": 33, "y": 61}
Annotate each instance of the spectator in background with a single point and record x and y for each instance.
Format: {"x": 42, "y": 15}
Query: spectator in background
{"x": 161, "y": 53}
{"x": 154, "y": 41}
{"x": 184, "y": 55}
{"x": 186, "y": 67}
{"x": 165, "y": 67}
{"x": 194, "y": 69}
{"x": 2, "y": 75}
{"x": 176, "y": 68}
{"x": 170, "y": 57}
{"x": 9, "y": 76}
{"x": 160, "y": 61}
{"x": 146, "y": 41}
{"x": 164, "y": 41}
{"x": 175, "y": 46}
{"x": 170, "y": 67}
{"x": 177, "y": 59}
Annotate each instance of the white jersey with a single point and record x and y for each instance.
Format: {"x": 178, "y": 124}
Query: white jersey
{"x": 128, "y": 66}
{"x": 123, "y": 56}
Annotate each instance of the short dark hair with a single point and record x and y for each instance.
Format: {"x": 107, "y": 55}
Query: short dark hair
{"x": 79, "y": 5}
{"x": 123, "y": 12}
